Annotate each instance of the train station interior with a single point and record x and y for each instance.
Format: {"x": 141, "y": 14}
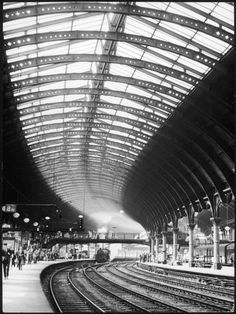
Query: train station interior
{"x": 118, "y": 134}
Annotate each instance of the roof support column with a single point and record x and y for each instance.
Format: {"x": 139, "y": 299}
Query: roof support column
{"x": 152, "y": 247}
{"x": 216, "y": 244}
{"x": 175, "y": 244}
{"x": 164, "y": 233}
{"x": 191, "y": 248}
{"x": 157, "y": 242}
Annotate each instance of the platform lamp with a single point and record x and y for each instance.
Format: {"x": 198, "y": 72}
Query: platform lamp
{"x": 80, "y": 222}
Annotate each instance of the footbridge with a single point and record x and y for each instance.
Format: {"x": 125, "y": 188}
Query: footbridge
{"x": 63, "y": 240}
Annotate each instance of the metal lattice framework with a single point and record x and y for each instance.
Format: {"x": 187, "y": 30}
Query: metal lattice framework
{"x": 93, "y": 83}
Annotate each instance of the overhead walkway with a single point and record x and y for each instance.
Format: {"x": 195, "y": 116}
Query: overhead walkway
{"x": 64, "y": 240}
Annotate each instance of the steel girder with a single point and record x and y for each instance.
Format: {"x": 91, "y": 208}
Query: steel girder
{"x": 149, "y": 86}
{"x": 60, "y": 59}
{"x": 92, "y": 91}
{"x": 113, "y": 36}
{"x": 38, "y": 10}
{"x": 54, "y": 60}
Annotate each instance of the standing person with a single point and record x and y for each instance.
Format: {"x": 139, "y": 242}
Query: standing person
{"x": 13, "y": 260}
{"x": 6, "y": 259}
{"x": 20, "y": 258}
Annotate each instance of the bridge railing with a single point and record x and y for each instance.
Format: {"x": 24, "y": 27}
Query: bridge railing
{"x": 79, "y": 235}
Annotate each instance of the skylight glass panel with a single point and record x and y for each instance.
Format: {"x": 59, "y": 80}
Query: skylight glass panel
{"x": 128, "y": 50}
{"x": 110, "y": 99}
{"x": 146, "y": 77}
{"x": 78, "y": 67}
{"x": 193, "y": 64}
{"x": 120, "y": 69}
{"x": 50, "y": 86}
{"x": 177, "y": 9}
{"x": 14, "y": 25}
{"x": 133, "y": 26}
{"x": 52, "y": 17}
{"x": 56, "y": 70}
{"x": 126, "y": 115}
{"x": 83, "y": 46}
{"x": 154, "y": 5}
{"x": 71, "y": 98}
{"x": 132, "y": 104}
{"x": 88, "y": 22}
{"x": 225, "y": 12}
{"x": 118, "y": 132}
{"x": 163, "y": 36}
{"x": 53, "y": 99}
{"x": 108, "y": 111}
{"x": 206, "y": 7}
{"x": 53, "y": 51}
{"x": 20, "y": 50}
{"x": 55, "y": 27}
{"x": 133, "y": 90}
{"x": 148, "y": 56}
{"x": 115, "y": 86}
{"x": 122, "y": 124}
{"x": 178, "y": 29}
{"x": 165, "y": 53}
{"x": 211, "y": 42}
{"x": 75, "y": 83}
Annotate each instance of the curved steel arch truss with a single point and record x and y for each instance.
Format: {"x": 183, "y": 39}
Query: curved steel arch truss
{"x": 95, "y": 83}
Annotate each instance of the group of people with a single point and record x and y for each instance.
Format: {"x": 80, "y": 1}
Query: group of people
{"x": 145, "y": 257}
{"x": 11, "y": 258}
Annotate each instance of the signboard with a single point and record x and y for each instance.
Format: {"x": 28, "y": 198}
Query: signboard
{"x": 9, "y": 208}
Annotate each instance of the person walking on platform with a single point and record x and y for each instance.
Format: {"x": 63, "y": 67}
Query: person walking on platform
{"x": 20, "y": 258}
{"x": 13, "y": 260}
{"x": 6, "y": 259}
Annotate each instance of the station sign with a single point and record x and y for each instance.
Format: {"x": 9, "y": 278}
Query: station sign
{"x": 9, "y": 208}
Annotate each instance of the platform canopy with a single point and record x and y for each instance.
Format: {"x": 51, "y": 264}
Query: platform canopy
{"x": 94, "y": 83}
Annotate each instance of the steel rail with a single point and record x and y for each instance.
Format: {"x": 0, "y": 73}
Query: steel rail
{"x": 136, "y": 293}
{"x": 193, "y": 295}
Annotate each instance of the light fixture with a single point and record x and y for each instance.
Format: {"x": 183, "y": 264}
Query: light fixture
{"x": 121, "y": 211}
{"x": 26, "y": 220}
{"x": 47, "y": 218}
{"x": 16, "y": 215}
{"x": 35, "y": 224}
{"x": 80, "y": 216}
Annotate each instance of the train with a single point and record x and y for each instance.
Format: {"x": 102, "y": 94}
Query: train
{"x": 102, "y": 255}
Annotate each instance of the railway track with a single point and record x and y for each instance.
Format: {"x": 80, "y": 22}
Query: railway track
{"x": 143, "y": 302}
{"x": 66, "y": 297}
{"x": 127, "y": 288}
{"x": 222, "y": 284}
{"x": 83, "y": 290}
{"x": 203, "y": 285}
{"x": 182, "y": 298}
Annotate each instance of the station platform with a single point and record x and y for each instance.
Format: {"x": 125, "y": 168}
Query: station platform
{"x": 22, "y": 291}
{"x": 224, "y": 271}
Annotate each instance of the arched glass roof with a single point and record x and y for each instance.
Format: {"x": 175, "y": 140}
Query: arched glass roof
{"x": 94, "y": 81}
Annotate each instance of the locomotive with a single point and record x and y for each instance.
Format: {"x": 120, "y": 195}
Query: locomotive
{"x": 102, "y": 255}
